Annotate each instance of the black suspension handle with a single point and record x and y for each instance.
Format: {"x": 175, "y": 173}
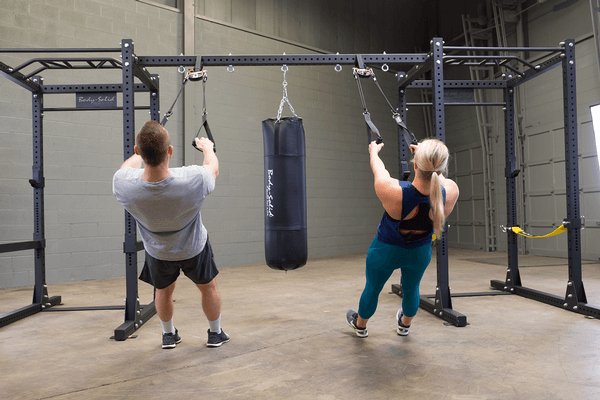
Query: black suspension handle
{"x": 200, "y": 150}
{"x": 378, "y": 139}
{"x": 208, "y": 134}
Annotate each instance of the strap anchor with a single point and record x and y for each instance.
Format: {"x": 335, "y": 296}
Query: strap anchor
{"x": 563, "y": 227}
{"x": 362, "y": 71}
{"x": 194, "y": 74}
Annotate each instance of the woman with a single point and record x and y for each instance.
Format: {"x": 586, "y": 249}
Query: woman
{"x": 413, "y": 212}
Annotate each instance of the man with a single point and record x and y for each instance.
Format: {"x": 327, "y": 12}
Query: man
{"x": 165, "y": 203}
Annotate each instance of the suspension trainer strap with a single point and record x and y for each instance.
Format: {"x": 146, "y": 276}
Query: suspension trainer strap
{"x": 517, "y": 230}
{"x": 394, "y": 111}
{"x": 204, "y": 117}
{"x": 363, "y": 72}
{"x": 371, "y": 128}
{"x": 409, "y": 137}
{"x": 191, "y": 74}
{"x": 360, "y": 71}
{"x": 170, "y": 111}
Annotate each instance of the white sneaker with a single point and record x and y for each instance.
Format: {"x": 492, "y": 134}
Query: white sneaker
{"x": 402, "y": 329}
{"x": 351, "y": 317}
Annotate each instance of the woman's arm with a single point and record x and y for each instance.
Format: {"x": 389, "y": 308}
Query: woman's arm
{"x": 452, "y": 193}
{"x": 387, "y": 189}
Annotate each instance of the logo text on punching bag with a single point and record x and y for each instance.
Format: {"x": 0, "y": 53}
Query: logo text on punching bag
{"x": 268, "y": 195}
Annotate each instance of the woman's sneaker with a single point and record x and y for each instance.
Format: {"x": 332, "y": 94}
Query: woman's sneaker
{"x": 351, "y": 318}
{"x": 402, "y": 329}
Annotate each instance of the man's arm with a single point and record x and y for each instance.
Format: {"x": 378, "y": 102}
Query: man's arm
{"x": 211, "y": 162}
{"x": 135, "y": 161}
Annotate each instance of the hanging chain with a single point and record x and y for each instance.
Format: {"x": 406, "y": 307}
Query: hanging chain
{"x": 284, "y": 98}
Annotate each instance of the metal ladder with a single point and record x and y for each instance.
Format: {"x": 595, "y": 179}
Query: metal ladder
{"x": 595, "y": 11}
{"x": 476, "y": 35}
{"x": 426, "y": 97}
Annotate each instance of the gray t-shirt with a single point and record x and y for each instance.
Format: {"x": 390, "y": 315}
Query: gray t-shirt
{"x": 167, "y": 212}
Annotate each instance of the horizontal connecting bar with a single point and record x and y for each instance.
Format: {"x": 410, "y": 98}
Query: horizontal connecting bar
{"x": 447, "y": 314}
{"x": 20, "y": 313}
{"x": 416, "y": 71}
{"x": 481, "y": 57}
{"x": 456, "y": 103}
{"x": 460, "y": 84}
{"x": 19, "y": 78}
{"x": 63, "y": 50}
{"x": 482, "y": 48}
{"x": 474, "y": 294}
{"x": 548, "y": 298}
{"x": 92, "y": 109}
{"x": 532, "y": 73}
{"x": 91, "y": 88}
{"x": 277, "y": 60}
{"x": 20, "y": 246}
{"x": 86, "y": 308}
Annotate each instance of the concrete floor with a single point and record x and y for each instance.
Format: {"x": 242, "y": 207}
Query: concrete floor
{"x": 290, "y": 340}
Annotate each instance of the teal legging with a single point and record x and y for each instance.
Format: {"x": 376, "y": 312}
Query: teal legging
{"x": 382, "y": 260}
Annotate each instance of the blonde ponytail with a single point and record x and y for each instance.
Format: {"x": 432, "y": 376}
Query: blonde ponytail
{"x": 436, "y": 202}
{"x": 431, "y": 158}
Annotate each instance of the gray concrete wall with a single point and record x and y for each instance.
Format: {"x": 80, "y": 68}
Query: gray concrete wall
{"x": 334, "y": 25}
{"x": 541, "y": 184}
{"x": 342, "y": 209}
{"x": 84, "y": 225}
{"x": 544, "y": 157}
{"x": 542, "y": 200}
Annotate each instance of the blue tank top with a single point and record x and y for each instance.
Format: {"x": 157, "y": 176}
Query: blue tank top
{"x": 389, "y": 228}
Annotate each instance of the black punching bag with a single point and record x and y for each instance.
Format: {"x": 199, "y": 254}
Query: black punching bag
{"x": 285, "y": 193}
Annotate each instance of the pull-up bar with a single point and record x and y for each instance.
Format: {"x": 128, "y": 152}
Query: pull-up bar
{"x": 278, "y": 60}
{"x": 475, "y": 48}
{"x": 63, "y": 50}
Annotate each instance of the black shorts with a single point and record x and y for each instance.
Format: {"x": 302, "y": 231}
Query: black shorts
{"x": 201, "y": 269}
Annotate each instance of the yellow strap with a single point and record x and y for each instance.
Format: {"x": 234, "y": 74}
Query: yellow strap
{"x": 433, "y": 237}
{"x": 560, "y": 229}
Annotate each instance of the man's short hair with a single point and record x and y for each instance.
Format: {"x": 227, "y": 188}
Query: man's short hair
{"x": 153, "y": 143}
